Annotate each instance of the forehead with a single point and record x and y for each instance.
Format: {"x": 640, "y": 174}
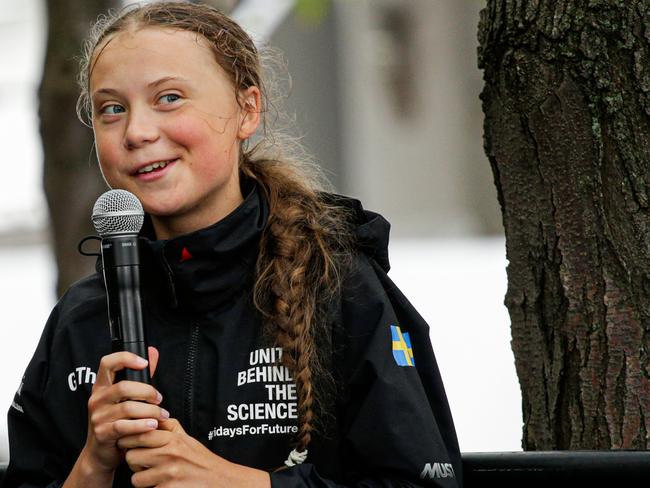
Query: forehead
{"x": 152, "y": 47}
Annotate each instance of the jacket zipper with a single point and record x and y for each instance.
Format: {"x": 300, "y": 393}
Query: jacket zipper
{"x": 190, "y": 372}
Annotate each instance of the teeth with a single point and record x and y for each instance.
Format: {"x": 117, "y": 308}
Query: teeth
{"x": 151, "y": 167}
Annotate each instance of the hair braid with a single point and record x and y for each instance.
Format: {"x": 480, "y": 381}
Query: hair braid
{"x": 298, "y": 273}
{"x": 293, "y": 314}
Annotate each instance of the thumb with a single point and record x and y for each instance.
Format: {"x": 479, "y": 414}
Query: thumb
{"x": 154, "y": 355}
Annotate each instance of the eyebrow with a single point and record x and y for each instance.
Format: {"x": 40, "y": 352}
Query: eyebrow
{"x": 153, "y": 84}
{"x": 108, "y": 91}
{"x": 165, "y": 79}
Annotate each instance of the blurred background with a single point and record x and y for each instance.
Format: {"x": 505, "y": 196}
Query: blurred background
{"x": 385, "y": 96}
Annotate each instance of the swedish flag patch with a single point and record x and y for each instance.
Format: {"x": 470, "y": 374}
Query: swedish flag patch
{"x": 402, "y": 350}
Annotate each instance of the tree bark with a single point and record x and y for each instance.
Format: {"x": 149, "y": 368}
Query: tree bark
{"x": 71, "y": 177}
{"x": 567, "y": 133}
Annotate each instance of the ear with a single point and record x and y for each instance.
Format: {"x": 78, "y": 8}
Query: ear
{"x": 250, "y": 102}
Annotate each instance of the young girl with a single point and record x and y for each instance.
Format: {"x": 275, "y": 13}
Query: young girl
{"x": 281, "y": 352}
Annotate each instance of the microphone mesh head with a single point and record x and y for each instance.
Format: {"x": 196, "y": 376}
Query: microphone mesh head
{"x": 117, "y": 212}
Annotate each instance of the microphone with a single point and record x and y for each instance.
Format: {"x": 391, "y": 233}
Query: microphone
{"x": 118, "y": 217}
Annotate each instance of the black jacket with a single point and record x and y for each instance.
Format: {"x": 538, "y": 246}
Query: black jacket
{"x": 390, "y": 423}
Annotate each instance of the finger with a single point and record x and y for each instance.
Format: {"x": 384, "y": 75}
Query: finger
{"x": 132, "y": 409}
{"x": 113, "y": 431}
{"x": 136, "y": 468}
{"x": 105, "y": 422}
{"x": 147, "y": 458}
{"x": 117, "y": 361}
{"x": 154, "y": 355}
{"x": 131, "y": 390}
{"x": 171, "y": 425}
{"x": 144, "y": 477}
{"x": 157, "y": 475}
{"x": 150, "y": 439}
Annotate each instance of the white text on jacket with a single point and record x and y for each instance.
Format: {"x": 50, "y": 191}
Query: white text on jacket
{"x": 437, "y": 470}
{"x": 80, "y": 376}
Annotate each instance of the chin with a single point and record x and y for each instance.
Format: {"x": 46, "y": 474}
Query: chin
{"x": 161, "y": 212}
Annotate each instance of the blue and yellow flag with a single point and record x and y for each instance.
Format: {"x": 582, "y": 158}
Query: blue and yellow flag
{"x": 402, "y": 350}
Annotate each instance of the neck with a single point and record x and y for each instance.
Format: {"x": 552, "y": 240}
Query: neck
{"x": 168, "y": 227}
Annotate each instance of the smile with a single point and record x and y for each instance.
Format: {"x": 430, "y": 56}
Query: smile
{"x": 158, "y": 165}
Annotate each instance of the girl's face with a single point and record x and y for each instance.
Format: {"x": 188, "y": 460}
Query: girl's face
{"x": 168, "y": 126}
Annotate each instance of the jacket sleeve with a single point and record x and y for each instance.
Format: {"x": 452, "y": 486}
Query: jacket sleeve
{"x": 395, "y": 425}
{"x": 48, "y": 419}
{"x": 38, "y": 447}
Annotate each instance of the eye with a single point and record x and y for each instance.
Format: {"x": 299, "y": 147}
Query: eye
{"x": 169, "y": 98}
{"x": 113, "y": 109}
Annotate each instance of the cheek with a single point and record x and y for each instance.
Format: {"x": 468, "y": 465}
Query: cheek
{"x": 207, "y": 138}
{"x": 187, "y": 133}
{"x": 108, "y": 156}
{"x": 105, "y": 147}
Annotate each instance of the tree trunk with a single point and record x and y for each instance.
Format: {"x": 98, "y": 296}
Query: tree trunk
{"x": 567, "y": 132}
{"x": 72, "y": 180}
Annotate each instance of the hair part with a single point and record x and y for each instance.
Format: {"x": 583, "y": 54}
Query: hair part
{"x": 305, "y": 246}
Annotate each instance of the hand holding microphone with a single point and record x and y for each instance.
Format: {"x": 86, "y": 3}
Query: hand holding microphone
{"x": 118, "y": 217}
{"x": 117, "y": 410}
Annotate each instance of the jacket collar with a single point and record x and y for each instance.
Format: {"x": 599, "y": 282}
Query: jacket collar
{"x": 211, "y": 267}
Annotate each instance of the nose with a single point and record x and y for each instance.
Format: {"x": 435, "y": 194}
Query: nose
{"x": 141, "y": 129}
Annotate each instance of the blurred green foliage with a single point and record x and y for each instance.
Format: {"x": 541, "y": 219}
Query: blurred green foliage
{"x": 312, "y": 11}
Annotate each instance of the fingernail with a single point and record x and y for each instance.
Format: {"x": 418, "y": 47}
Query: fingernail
{"x": 164, "y": 413}
{"x": 158, "y": 397}
{"x": 142, "y": 361}
{"x": 152, "y": 423}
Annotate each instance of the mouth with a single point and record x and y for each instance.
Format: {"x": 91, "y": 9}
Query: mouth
{"x": 157, "y": 166}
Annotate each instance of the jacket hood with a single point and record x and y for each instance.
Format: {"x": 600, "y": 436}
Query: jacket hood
{"x": 370, "y": 229}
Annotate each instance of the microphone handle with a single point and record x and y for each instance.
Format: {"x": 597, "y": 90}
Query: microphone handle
{"x": 141, "y": 375}
{"x": 122, "y": 278}
{"x": 131, "y": 322}
{"x": 139, "y": 348}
